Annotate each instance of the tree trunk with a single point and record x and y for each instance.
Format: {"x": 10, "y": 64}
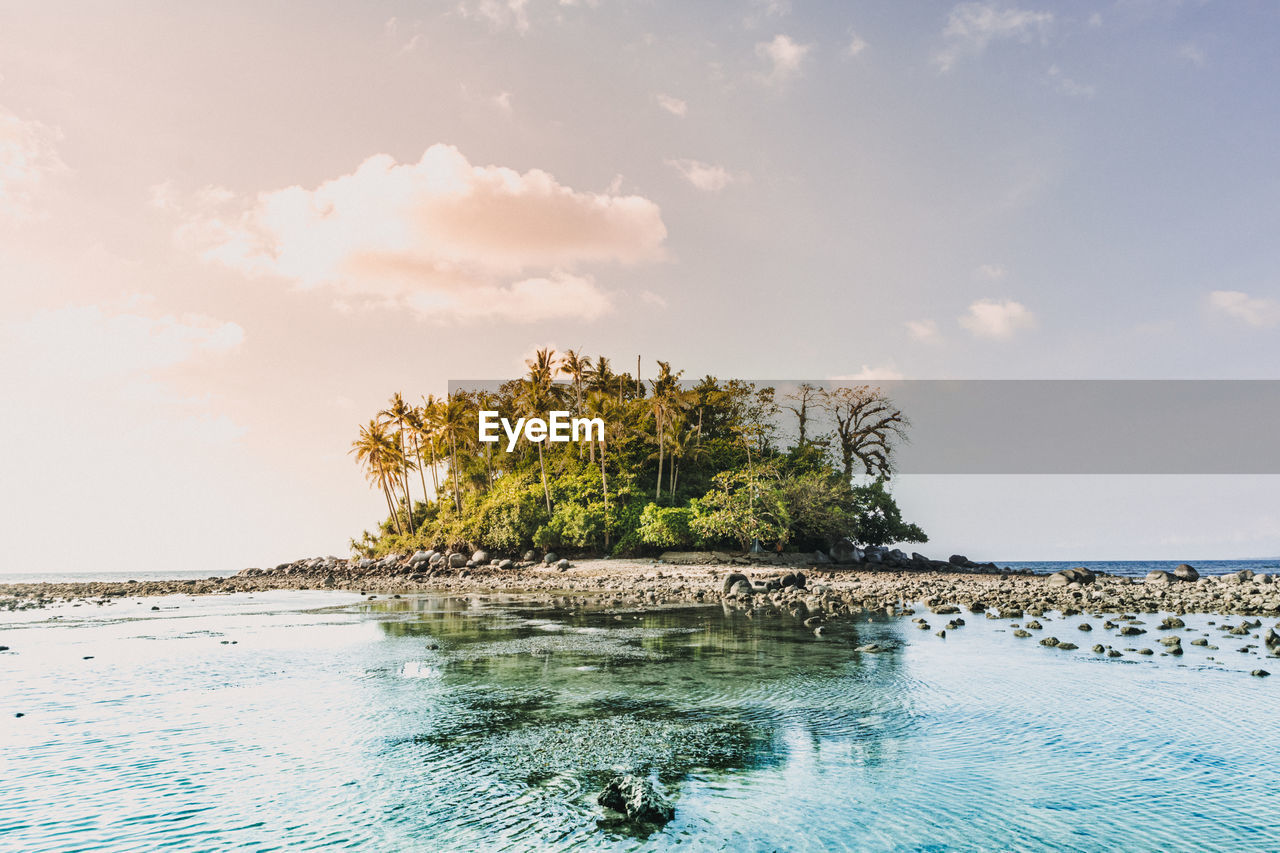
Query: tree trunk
{"x": 545, "y": 491}
{"x": 604, "y": 486}
{"x": 457, "y": 493}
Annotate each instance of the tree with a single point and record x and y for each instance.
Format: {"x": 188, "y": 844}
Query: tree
{"x": 877, "y": 520}
{"x": 397, "y": 412}
{"x": 453, "y": 428}
{"x": 804, "y": 396}
{"x": 868, "y": 426}
{"x": 379, "y": 454}
{"x": 536, "y": 402}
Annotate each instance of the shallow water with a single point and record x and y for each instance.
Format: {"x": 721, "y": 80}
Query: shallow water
{"x": 321, "y": 721}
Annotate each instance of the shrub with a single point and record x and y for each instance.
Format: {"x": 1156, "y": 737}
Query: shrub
{"x": 666, "y": 527}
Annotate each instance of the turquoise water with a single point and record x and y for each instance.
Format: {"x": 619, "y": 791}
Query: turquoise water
{"x": 322, "y": 721}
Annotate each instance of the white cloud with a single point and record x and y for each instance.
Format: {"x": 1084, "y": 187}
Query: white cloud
{"x": 655, "y": 299}
{"x": 988, "y": 318}
{"x": 1258, "y": 312}
{"x": 498, "y": 13}
{"x": 446, "y": 238}
{"x": 991, "y": 272}
{"x": 923, "y": 330}
{"x": 857, "y": 44}
{"x": 1067, "y": 86}
{"x": 1192, "y": 53}
{"x": 671, "y": 104}
{"x": 502, "y": 101}
{"x": 763, "y": 10}
{"x": 971, "y": 27}
{"x": 92, "y": 358}
{"x": 28, "y": 158}
{"x": 707, "y": 177}
{"x": 784, "y": 55}
{"x": 868, "y": 372}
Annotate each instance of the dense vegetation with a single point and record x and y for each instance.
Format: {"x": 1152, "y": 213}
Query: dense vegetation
{"x": 681, "y": 464}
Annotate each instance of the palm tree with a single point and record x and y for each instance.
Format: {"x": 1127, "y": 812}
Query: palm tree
{"x": 431, "y": 416}
{"x": 601, "y": 404}
{"x": 576, "y": 367}
{"x": 398, "y": 412}
{"x": 417, "y": 426}
{"x": 377, "y": 452}
{"x": 535, "y": 400}
{"x": 453, "y": 428}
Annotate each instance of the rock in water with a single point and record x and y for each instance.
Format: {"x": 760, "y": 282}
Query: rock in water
{"x": 733, "y": 579}
{"x": 638, "y": 799}
{"x": 1185, "y": 572}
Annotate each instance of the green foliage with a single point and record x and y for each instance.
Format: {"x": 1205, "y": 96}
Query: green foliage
{"x": 666, "y": 527}
{"x": 877, "y": 520}
{"x": 742, "y": 506}
{"x": 682, "y": 464}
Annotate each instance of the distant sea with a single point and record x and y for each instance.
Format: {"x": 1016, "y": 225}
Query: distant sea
{"x": 1123, "y": 568}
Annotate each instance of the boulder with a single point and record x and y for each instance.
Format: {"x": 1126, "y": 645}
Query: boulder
{"x": 530, "y": 556}
{"x": 875, "y": 553}
{"x": 819, "y": 558}
{"x": 733, "y": 579}
{"x": 958, "y": 560}
{"x": 505, "y": 564}
{"x": 897, "y": 555}
{"x": 637, "y": 798}
{"x": 917, "y": 557}
{"x": 480, "y": 557}
{"x": 744, "y": 589}
{"x": 562, "y": 564}
{"x": 419, "y": 557}
{"x": 1185, "y": 572}
{"x": 844, "y": 551}
{"x": 1158, "y": 577}
{"x": 550, "y": 558}
{"x": 457, "y": 561}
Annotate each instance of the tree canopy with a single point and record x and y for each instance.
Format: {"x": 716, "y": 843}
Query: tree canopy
{"x": 705, "y": 463}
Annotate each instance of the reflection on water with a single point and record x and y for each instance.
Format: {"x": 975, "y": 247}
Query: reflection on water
{"x": 320, "y": 721}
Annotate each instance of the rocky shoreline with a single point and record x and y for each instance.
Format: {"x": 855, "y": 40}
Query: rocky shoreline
{"x": 885, "y": 583}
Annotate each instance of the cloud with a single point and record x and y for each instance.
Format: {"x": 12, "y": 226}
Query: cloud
{"x": 1067, "y": 86}
{"x": 502, "y": 101}
{"x": 440, "y": 236}
{"x": 885, "y": 372}
{"x": 988, "y": 318}
{"x": 1258, "y": 312}
{"x": 762, "y": 10}
{"x": 971, "y": 27}
{"x": 95, "y": 358}
{"x": 673, "y": 105}
{"x": 707, "y": 177}
{"x": 1192, "y": 53}
{"x": 857, "y": 44}
{"x": 28, "y": 158}
{"x": 499, "y": 14}
{"x": 784, "y": 55}
{"x": 650, "y": 298}
{"x": 923, "y": 330}
{"x": 991, "y": 272}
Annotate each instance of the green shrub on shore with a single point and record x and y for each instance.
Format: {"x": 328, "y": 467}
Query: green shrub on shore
{"x": 680, "y": 465}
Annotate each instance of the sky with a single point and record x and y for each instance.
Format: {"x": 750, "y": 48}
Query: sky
{"x": 229, "y": 232}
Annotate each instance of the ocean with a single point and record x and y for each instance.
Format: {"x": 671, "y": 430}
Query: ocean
{"x": 325, "y": 721}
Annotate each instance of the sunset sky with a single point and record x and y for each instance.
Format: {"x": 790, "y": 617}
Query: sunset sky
{"x": 230, "y": 231}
